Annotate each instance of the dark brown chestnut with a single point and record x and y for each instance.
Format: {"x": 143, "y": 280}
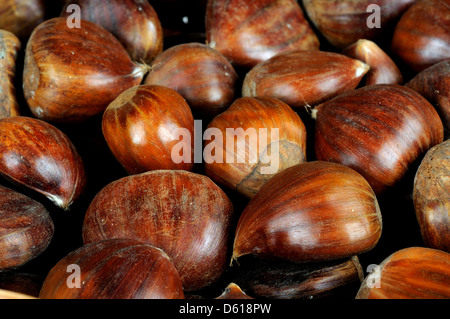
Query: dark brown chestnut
{"x": 302, "y": 78}
{"x": 140, "y": 128}
{"x": 249, "y": 32}
{"x": 26, "y": 229}
{"x": 431, "y": 194}
{"x": 409, "y": 273}
{"x": 251, "y": 141}
{"x": 314, "y": 211}
{"x": 378, "y": 130}
{"x": 183, "y": 213}
{"x": 202, "y": 75}
{"x": 113, "y": 269}
{"x": 22, "y": 16}
{"x": 39, "y": 156}
{"x": 72, "y": 74}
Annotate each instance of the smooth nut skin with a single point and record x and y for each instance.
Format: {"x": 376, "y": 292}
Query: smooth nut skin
{"x": 183, "y": 213}
{"x": 26, "y": 229}
{"x": 202, "y": 75}
{"x": 140, "y": 126}
{"x": 431, "y": 197}
{"x": 72, "y": 74}
{"x": 39, "y": 156}
{"x": 255, "y": 156}
{"x": 114, "y": 269}
{"x": 378, "y": 130}
{"x": 10, "y": 46}
{"x": 233, "y": 291}
{"x": 314, "y": 211}
{"x": 21, "y": 16}
{"x": 421, "y": 37}
{"x": 410, "y": 273}
{"x": 302, "y": 78}
{"x": 133, "y": 22}
{"x": 249, "y": 32}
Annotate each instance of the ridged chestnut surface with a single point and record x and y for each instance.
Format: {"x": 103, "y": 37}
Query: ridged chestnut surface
{"x": 314, "y": 211}
{"x": 270, "y": 137}
{"x": 72, "y": 74}
{"x": 183, "y": 213}
{"x": 26, "y": 229}
{"x": 21, "y": 16}
{"x": 378, "y": 130}
{"x": 9, "y": 49}
{"x": 421, "y": 37}
{"x": 39, "y": 156}
{"x": 301, "y": 78}
{"x": 202, "y": 75}
{"x": 410, "y": 273}
{"x": 249, "y": 32}
{"x": 431, "y": 196}
{"x": 133, "y": 22}
{"x": 140, "y": 126}
{"x": 113, "y": 269}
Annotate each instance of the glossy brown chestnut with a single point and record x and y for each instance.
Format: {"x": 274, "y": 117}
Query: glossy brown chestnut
{"x": 378, "y": 130}
{"x": 383, "y": 69}
{"x": 301, "y": 78}
{"x": 39, "y": 156}
{"x": 9, "y": 48}
{"x": 140, "y": 126}
{"x": 114, "y": 269}
{"x": 410, "y": 273}
{"x": 314, "y": 211}
{"x": 431, "y": 195}
{"x": 183, "y": 213}
{"x": 233, "y": 291}
{"x": 21, "y": 16}
{"x": 434, "y": 84}
{"x": 133, "y": 22}
{"x": 421, "y": 37}
{"x": 72, "y": 74}
{"x": 266, "y": 137}
{"x": 249, "y": 32}
{"x": 203, "y": 76}
{"x": 26, "y": 229}
{"x": 343, "y": 22}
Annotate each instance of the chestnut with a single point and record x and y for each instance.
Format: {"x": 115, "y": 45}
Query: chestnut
{"x": 249, "y": 32}
{"x": 133, "y": 22}
{"x": 430, "y": 196}
{"x": 113, "y": 269}
{"x": 72, "y": 74}
{"x": 7, "y": 294}
{"x": 26, "y": 229}
{"x": 233, "y": 291}
{"x": 140, "y": 128}
{"x": 202, "y": 75}
{"x": 409, "y": 273}
{"x": 313, "y": 211}
{"x": 302, "y": 78}
{"x": 9, "y": 49}
{"x": 259, "y": 136}
{"x": 378, "y": 130}
{"x": 39, "y": 156}
{"x": 183, "y": 213}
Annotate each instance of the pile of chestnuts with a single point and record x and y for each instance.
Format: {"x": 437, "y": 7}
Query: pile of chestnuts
{"x": 224, "y": 149}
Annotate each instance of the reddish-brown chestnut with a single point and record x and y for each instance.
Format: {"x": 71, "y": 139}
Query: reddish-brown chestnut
{"x": 431, "y": 195}
{"x": 21, "y": 16}
{"x": 249, "y": 32}
{"x": 113, "y": 269}
{"x": 314, "y": 211}
{"x": 39, "y": 156}
{"x": 26, "y": 229}
{"x": 140, "y": 127}
{"x": 378, "y": 130}
{"x": 410, "y": 273}
{"x": 133, "y": 22}
{"x": 202, "y": 75}
{"x": 254, "y": 139}
{"x": 301, "y": 78}
{"x": 183, "y": 213}
{"x": 71, "y": 74}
